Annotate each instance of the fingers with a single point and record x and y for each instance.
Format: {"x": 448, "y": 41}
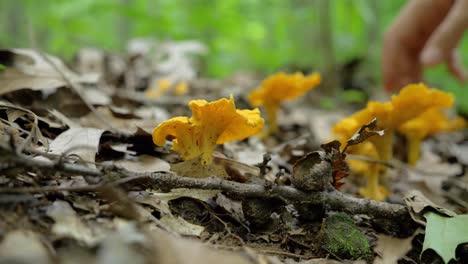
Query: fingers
{"x": 405, "y": 39}
{"x": 399, "y": 68}
{"x": 456, "y": 68}
{"x": 442, "y": 43}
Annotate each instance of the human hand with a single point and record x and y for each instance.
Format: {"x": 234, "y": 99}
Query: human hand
{"x": 424, "y": 34}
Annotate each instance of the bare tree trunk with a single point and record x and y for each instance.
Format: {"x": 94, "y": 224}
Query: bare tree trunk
{"x": 124, "y": 25}
{"x": 373, "y": 26}
{"x": 327, "y": 48}
{"x": 14, "y": 21}
{"x": 373, "y": 21}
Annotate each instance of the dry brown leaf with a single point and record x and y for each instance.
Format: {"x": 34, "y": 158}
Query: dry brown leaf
{"x": 173, "y": 250}
{"x": 432, "y": 171}
{"x": 250, "y": 153}
{"x": 80, "y": 141}
{"x": 14, "y": 112}
{"x": 28, "y": 69}
{"x": 366, "y": 131}
{"x": 231, "y": 206}
{"x": 144, "y": 163}
{"x": 119, "y": 246}
{"x": 23, "y": 246}
{"x": 160, "y": 200}
{"x": 122, "y": 124}
{"x": 418, "y": 203}
{"x": 181, "y": 226}
{"x": 312, "y": 172}
{"x": 67, "y": 224}
{"x": 323, "y": 261}
{"x": 390, "y": 249}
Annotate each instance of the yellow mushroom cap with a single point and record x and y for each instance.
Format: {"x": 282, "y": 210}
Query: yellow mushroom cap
{"x": 457, "y": 123}
{"x": 182, "y": 133}
{"x": 158, "y": 88}
{"x": 181, "y": 88}
{"x": 348, "y": 126}
{"x": 281, "y": 86}
{"x": 211, "y": 123}
{"x": 227, "y": 122}
{"x": 383, "y": 111}
{"x": 428, "y": 123}
{"x": 414, "y": 99}
{"x": 431, "y": 122}
{"x": 411, "y": 102}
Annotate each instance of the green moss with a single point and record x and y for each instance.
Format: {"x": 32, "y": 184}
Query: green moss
{"x": 342, "y": 238}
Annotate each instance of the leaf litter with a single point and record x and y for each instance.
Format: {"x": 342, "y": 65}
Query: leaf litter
{"x": 81, "y": 179}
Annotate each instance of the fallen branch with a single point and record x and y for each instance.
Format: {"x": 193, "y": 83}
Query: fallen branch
{"x": 166, "y": 180}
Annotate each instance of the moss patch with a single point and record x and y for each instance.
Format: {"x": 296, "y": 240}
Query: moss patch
{"x": 342, "y": 238}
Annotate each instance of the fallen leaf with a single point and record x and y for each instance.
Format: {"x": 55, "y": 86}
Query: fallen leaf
{"x": 390, "y": 249}
{"x": 322, "y": 261}
{"x": 160, "y": 200}
{"x": 62, "y": 118}
{"x": 14, "y": 112}
{"x": 67, "y": 224}
{"x": 96, "y": 96}
{"x": 169, "y": 249}
{"x": 80, "y": 141}
{"x": 122, "y": 124}
{"x": 144, "y": 163}
{"x": 432, "y": 171}
{"x": 181, "y": 226}
{"x": 312, "y": 172}
{"x": 23, "y": 246}
{"x": 336, "y": 158}
{"x": 366, "y": 131}
{"x": 418, "y": 203}
{"x": 444, "y": 234}
{"x": 119, "y": 246}
{"x": 233, "y": 207}
{"x": 250, "y": 153}
{"x": 28, "y": 69}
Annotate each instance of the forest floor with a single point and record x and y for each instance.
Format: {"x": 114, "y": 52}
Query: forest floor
{"x": 82, "y": 181}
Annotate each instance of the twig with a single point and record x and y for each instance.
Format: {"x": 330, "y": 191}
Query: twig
{"x": 47, "y": 189}
{"x": 394, "y": 164}
{"x": 371, "y": 160}
{"x": 226, "y": 227}
{"x": 166, "y": 180}
{"x": 263, "y": 165}
{"x": 34, "y": 127}
{"x": 261, "y": 251}
{"x": 279, "y": 147}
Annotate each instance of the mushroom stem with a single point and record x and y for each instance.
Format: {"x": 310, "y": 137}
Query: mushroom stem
{"x": 207, "y": 157}
{"x": 373, "y": 181}
{"x": 373, "y": 189}
{"x": 384, "y": 145}
{"x": 414, "y": 147}
{"x": 208, "y": 145}
{"x": 271, "y": 112}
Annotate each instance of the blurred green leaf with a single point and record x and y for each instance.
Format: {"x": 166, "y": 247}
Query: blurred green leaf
{"x": 444, "y": 234}
{"x": 353, "y": 96}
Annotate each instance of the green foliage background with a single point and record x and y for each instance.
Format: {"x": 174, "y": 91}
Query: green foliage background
{"x": 248, "y": 35}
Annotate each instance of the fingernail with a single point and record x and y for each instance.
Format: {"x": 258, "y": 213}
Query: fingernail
{"x": 431, "y": 56}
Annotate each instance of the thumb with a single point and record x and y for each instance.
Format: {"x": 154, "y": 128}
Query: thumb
{"x": 440, "y": 46}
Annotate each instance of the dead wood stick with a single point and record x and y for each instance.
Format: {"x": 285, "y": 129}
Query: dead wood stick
{"x": 166, "y": 180}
